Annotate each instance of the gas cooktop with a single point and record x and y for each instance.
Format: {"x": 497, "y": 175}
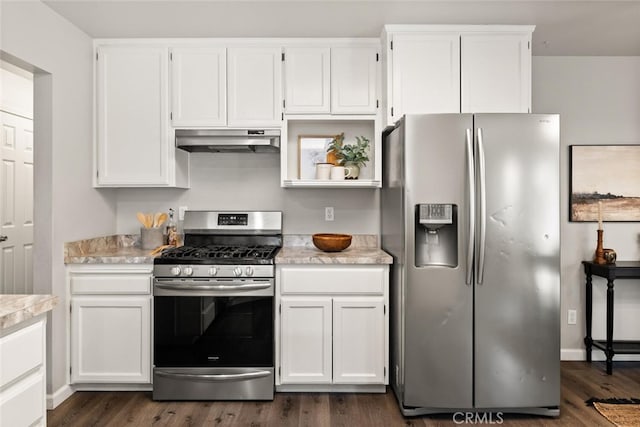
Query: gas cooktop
{"x": 219, "y": 254}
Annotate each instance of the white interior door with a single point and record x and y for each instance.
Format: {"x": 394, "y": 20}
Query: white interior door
{"x": 16, "y": 207}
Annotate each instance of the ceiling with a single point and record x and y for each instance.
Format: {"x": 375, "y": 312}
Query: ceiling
{"x": 565, "y": 27}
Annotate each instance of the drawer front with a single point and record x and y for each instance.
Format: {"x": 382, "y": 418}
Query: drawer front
{"x": 110, "y": 283}
{"x": 23, "y": 404}
{"x": 368, "y": 280}
{"x": 21, "y": 352}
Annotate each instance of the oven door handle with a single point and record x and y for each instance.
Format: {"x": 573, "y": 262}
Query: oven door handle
{"x": 216, "y": 377}
{"x": 232, "y": 286}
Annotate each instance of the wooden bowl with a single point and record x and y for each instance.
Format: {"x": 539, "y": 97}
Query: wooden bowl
{"x": 330, "y": 242}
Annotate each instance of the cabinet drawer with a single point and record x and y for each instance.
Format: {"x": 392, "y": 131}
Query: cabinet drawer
{"x": 110, "y": 283}
{"x": 21, "y": 352}
{"x": 333, "y": 280}
{"x": 23, "y": 403}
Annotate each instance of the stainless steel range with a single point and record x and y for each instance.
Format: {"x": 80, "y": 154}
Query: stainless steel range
{"x": 213, "y": 308}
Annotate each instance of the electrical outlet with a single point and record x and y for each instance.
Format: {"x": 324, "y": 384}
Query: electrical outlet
{"x": 181, "y": 210}
{"x": 572, "y": 317}
{"x": 328, "y": 213}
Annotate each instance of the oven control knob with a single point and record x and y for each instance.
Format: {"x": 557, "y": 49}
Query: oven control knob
{"x": 237, "y": 272}
{"x": 249, "y": 271}
{"x": 213, "y": 271}
{"x": 188, "y": 271}
{"x": 175, "y": 271}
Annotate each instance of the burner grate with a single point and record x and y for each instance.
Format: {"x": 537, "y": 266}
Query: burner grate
{"x": 220, "y": 252}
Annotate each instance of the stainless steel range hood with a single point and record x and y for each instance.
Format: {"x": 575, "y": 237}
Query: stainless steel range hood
{"x": 228, "y": 140}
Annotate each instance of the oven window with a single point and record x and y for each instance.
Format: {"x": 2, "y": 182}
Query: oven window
{"x": 213, "y": 331}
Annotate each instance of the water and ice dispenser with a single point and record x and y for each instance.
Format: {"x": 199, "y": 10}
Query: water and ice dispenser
{"x": 436, "y": 235}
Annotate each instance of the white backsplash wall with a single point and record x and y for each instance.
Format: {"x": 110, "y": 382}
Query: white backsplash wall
{"x": 249, "y": 181}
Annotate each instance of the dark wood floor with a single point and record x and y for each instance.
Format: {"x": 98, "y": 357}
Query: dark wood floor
{"x": 580, "y": 381}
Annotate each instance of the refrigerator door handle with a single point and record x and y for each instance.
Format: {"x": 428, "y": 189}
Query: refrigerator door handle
{"x": 472, "y": 203}
{"x": 482, "y": 209}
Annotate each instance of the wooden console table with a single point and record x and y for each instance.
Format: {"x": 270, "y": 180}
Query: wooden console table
{"x": 619, "y": 270}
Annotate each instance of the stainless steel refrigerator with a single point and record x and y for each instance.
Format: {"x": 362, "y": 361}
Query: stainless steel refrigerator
{"x": 470, "y": 213}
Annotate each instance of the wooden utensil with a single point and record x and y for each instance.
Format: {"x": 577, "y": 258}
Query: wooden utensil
{"x": 156, "y": 219}
{"x": 142, "y": 218}
{"x": 148, "y": 220}
{"x": 159, "y": 249}
{"x": 161, "y": 219}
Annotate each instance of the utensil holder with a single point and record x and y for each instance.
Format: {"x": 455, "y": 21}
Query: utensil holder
{"x": 151, "y": 238}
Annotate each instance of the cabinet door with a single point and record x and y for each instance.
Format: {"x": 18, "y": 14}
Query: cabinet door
{"x": 306, "y": 73}
{"x": 358, "y": 340}
{"x": 254, "y": 86}
{"x": 496, "y": 73}
{"x": 425, "y": 74}
{"x": 132, "y": 116}
{"x": 198, "y": 87}
{"x": 353, "y": 80}
{"x": 305, "y": 340}
{"x": 111, "y": 339}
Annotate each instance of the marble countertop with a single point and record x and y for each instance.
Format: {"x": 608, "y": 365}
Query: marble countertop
{"x": 118, "y": 249}
{"x": 15, "y": 308}
{"x": 304, "y": 255}
{"x": 299, "y": 249}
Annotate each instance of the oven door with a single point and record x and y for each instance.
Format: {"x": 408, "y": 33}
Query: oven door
{"x": 213, "y": 339}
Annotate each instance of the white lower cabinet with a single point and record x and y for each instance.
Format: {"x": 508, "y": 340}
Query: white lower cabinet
{"x": 358, "y": 340}
{"x": 22, "y": 374}
{"x": 110, "y": 324}
{"x": 332, "y": 331}
{"x": 305, "y": 335}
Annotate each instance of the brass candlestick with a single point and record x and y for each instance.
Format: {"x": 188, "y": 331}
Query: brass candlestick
{"x": 599, "y": 255}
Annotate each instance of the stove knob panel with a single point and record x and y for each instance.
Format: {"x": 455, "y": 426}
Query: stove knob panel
{"x": 249, "y": 271}
{"x": 188, "y": 271}
{"x": 175, "y": 271}
{"x": 213, "y": 271}
{"x": 237, "y": 272}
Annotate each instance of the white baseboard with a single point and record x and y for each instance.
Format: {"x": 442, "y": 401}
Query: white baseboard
{"x": 573, "y": 354}
{"x": 596, "y": 355}
{"x": 59, "y": 396}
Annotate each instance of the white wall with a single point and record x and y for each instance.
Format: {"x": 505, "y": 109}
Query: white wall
{"x": 598, "y": 99}
{"x": 246, "y": 181}
{"x": 67, "y": 208}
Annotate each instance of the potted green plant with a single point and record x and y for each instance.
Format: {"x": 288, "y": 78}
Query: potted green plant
{"x": 354, "y": 156}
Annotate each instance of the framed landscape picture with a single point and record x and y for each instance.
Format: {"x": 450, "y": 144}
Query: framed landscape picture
{"x": 605, "y": 173}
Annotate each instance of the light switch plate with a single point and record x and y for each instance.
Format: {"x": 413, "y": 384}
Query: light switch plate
{"x": 572, "y": 317}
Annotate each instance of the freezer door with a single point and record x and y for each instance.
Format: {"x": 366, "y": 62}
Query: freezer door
{"x": 517, "y": 319}
{"x": 437, "y": 302}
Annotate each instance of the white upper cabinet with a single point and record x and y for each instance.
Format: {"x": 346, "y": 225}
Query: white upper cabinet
{"x": 335, "y": 80}
{"x": 457, "y": 68}
{"x": 496, "y": 73}
{"x": 354, "y": 79}
{"x": 199, "y": 86}
{"x": 132, "y": 115}
{"x": 307, "y": 80}
{"x": 254, "y": 86}
{"x": 425, "y": 74}
{"x": 133, "y": 143}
